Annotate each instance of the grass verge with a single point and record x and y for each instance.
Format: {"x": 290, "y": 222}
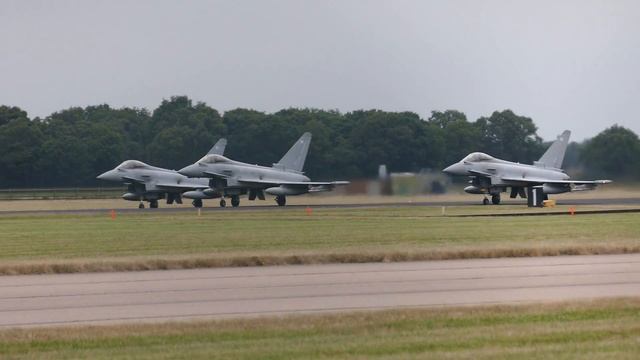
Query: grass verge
{"x": 599, "y": 329}
{"x": 57, "y": 243}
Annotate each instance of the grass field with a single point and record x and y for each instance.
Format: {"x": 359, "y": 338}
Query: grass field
{"x": 148, "y": 240}
{"x": 61, "y": 193}
{"x": 601, "y": 329}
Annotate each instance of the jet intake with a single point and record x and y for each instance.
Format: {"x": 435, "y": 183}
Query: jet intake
{"x": 286, "y": 190}
{"x": 256, "y": 193}
{"x": 474, "y": 190}
{"x": 555, "y": 188}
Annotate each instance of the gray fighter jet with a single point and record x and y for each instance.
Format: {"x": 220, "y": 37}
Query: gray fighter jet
{"x": 233, "y": 178}
{"x": 149, "y": 183}
{"x": 491, "y": 176}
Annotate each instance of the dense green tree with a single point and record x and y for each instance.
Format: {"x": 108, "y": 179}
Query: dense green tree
{"x": 72, "y": 146}
{"x": 510, "y": 136}
{"x": 20, "y": 148}
{"x": 460, "y": 136}
{"x": 9, "y": 113}
{"x": 181, "y": 132}
{"x": 614, "y": 153}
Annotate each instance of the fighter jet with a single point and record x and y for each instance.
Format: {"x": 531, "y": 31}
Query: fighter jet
{"x": 491, "y": 176}
{"x": 150, "y": 183}
{"x": 233, "y": 178}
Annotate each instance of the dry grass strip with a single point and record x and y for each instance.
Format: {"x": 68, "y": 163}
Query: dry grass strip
{"x": 217, "y": 261}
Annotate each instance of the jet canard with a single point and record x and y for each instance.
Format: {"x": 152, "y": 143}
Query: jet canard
{"x": 492, "y": 176}
{"x": 234, "y": 178}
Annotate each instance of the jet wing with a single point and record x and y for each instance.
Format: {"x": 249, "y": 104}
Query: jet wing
{"x": 134, "y": 180}
{"x": 480, "y": 173}
{"x": 182, "y": 186}
{"x": 291, "y": 183}
{"x": 563, "y": 182}
{"x": 216, "y": 175}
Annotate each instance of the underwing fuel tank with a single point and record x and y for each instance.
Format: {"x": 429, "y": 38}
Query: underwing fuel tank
{"x": 474, "y": 190}
{"x": 555, "y": 188}
{"x": 200, "y": 194}
{"x": 131, "y": 196}
{"x": 285, "y": 190}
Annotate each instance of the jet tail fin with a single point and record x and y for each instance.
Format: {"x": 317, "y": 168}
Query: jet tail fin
{"x": 295, "y": 157}
{"x": 219, "y": 147}
{"x": 554, "y": 156}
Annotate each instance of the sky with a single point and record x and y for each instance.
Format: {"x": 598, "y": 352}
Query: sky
{"x": 566, "y": 64}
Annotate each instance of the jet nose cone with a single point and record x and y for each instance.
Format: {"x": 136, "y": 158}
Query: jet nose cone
{"x": 188, "y": 171}
{"x": 107, "y": 175}
{"x": 455, "y": 169}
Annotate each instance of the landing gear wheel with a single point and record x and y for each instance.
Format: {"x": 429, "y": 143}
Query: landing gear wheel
{"x": 153, "y": 204}
{"x": 495, "y": 199}
{"x": 197, "y": 203}
{"x": 141, "y": 206}
{"x": 235, "y": 201}
{"x": 281, "y": 200}
{"x": 485, "y": 201}
{"x": 223, "y": 203}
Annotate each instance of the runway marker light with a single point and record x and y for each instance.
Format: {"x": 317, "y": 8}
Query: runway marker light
{"x": 572, "y": 211}
{"x": 199, "y": 211}
{"x": 444, "y": 210}
{"x": 113, "y": 214}
{"x": 308, "y": 210}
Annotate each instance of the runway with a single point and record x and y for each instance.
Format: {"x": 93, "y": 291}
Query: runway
{"x": 106, "y": 298}
{"x": 629, "y": 201}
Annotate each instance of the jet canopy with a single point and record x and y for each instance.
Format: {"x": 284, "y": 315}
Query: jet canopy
{"x": 132, "y": 164}
{"x": 213, "y": 159}
{"x": 478, "y": 157}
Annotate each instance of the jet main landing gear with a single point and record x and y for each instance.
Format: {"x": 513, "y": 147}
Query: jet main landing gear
{"x": 495, "y": 200}
{"x": 235, "y": 200}
{"x": 223, "y": 203}
{"x": 281, "y": 200}
{"x": 141, "y": 205}
{"x": 197, "y": 203}
{"x": 153, "y": 204}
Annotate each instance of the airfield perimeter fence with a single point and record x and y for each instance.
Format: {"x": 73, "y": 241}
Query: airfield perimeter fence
{"x": 62, "y": 193}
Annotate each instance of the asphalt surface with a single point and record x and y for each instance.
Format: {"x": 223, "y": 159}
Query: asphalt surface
{"x": 168, "y": 209}
{"x": 103, "y": 298}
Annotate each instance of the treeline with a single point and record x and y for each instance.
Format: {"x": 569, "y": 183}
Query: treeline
{"x": 71, "y": 147}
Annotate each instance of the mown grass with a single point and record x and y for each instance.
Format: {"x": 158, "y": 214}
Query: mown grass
{"x": 148, "y": 240}
{"x": 602, "y": 329}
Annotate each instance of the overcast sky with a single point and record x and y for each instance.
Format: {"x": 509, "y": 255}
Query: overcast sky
{"x": 566, "y": 64}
